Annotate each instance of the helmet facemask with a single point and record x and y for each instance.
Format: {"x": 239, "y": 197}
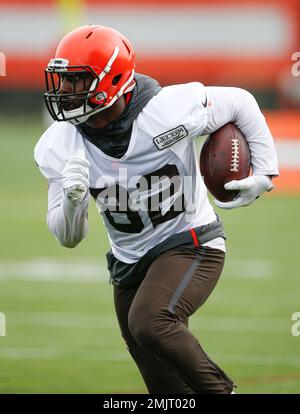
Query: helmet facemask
{"x": 72, "y": 104}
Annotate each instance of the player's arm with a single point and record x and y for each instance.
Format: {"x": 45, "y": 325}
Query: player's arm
{"x": 68, "y": 202}
{"x": 240, "y": 107}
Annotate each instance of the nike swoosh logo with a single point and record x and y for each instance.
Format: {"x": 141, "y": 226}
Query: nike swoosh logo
{"x": 205, "y": 102}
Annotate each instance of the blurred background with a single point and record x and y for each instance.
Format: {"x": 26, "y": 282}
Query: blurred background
{"x": 62, "y": 335}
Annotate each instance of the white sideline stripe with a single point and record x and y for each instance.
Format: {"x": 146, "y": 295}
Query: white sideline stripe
{"x": 89, "y": 271}
{"x": 52, "y": 354}
{"x": 62, "y": 320}
{"x": 54, "y": 271}
{"x": 240, "y": 324}
{"x": 197, "y": 323}
{"x": 15, "y": 353}
{"x": 261, "y": 360}
{"x": 249, "y": 268}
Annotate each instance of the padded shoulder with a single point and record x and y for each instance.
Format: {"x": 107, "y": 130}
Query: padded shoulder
{"x": 175, "y": 105}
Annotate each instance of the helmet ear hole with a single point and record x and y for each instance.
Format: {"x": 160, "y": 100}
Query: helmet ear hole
{"x": 116, "y": 79}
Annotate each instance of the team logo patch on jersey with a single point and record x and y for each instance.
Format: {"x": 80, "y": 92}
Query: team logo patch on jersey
{"x": 170, "y": 137}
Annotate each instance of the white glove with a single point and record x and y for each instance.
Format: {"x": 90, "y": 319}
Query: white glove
{"x": 250, "y": 189}
{"x": 76, "y": 177}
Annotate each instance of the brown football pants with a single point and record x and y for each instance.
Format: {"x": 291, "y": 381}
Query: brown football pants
{"x": 153, "y": 319}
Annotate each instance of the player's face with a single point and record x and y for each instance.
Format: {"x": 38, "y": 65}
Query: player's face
{"x": 73, "y": 84}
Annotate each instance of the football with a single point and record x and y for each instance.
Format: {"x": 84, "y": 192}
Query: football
{"x": 224, "y": 157}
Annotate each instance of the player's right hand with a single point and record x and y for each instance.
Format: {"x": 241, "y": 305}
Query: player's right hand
{"x": 76, "y": 177}
{"x": 250, "y": 189}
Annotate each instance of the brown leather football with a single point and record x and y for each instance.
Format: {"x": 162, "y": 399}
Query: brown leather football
{"x": 224, "y": 157}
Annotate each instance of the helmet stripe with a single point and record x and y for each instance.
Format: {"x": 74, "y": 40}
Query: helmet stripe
{"x": 108, "y": 66}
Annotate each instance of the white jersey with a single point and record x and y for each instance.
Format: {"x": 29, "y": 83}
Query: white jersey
{"x": 159, "y": 170}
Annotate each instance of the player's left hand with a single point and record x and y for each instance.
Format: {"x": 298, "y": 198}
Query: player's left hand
{"x": 75, "y": 177}
{"x": 250, "y": 189}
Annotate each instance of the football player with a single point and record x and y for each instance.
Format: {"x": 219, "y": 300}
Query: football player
{"x": 130, "y": 144}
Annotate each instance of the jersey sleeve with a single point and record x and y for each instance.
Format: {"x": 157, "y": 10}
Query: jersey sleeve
{"x": 66, "y": 221}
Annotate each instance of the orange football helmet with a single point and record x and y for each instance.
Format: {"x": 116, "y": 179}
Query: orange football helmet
{"x": 102, "y": 59}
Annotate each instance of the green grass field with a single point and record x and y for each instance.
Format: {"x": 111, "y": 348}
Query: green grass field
{"x": 62, "y": 335}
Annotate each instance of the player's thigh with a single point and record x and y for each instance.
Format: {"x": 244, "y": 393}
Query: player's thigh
{"x": 158, "y": 376}
{"x": 123, "y": 298}
{"x": 177, "y": 283}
